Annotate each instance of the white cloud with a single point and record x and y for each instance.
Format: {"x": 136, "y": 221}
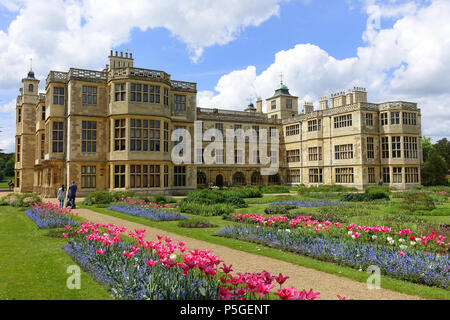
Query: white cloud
{"x": 8, "y": 107}
{"x": 7, "y": 126}
{"x": 59, "y": 34}
{"x": 410, "y": 61}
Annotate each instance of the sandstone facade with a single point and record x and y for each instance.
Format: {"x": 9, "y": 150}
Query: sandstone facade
{"x": 112, "y": 130}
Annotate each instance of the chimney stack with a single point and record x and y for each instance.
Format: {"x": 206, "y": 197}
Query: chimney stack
{"x": 259, "y": 105}
{"x": 324, "y": 103}
{"x": 308, "y": 107}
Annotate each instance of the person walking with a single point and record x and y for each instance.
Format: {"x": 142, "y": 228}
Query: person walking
{"x": 11, "y": 185}
{"x": 72, "y": 195}
{"x": 61, "y": 196}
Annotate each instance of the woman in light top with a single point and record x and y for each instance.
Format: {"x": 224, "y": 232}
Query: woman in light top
{"x": 61, "y": 196}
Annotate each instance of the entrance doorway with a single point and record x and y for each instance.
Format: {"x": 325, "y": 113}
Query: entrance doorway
{"x": 219, "y": 180}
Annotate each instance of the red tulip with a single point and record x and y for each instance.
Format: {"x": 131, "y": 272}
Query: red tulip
{"x": 151, "y": 263}
{"x": 227, "y": 269}
{"x": 280, "y": 279}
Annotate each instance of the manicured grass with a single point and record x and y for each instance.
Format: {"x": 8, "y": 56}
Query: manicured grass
{"x": 208, "y": 235}
{"x": 34, "y": 267}
{"x": 4, "y": 183}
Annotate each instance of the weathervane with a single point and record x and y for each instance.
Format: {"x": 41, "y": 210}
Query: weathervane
{"x": 31, "y": 64}
{"x": 281, "y": 77}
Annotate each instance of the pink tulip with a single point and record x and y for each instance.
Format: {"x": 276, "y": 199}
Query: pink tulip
{"x": 280, "y": 279}
{"x": 151, "y": 263}
{"x": 226, "y": 269}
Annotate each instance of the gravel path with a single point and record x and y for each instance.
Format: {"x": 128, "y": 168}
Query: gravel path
{"x": 328, "y": 285}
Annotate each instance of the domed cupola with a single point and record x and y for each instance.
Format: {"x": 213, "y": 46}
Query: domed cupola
{"x": 250, "y": 108}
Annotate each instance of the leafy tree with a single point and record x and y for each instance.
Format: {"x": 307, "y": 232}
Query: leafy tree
{"x": 443, "y": 148}
{"x": 7, "y": 162}
{"x": 434, "y": 170}
{"x": 427, "y": 147}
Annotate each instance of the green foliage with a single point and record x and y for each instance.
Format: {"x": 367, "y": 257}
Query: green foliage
{"x": 352, "y": 210}
{"x": 98, "y": 197}
{"x": 235, "y": 201}
{"x": 443, "y": 148}
{"x": 20, "y": 199}
{"x": 319, "y": 217}
{"x": 377, "y": 189}
{"x": 233, "y": 197}
{"x": 122, "y": 195}
{"x": 163, "y": 199}
{"x": 217, "y": 209}
{"x": 365, "y": 197}
{"x": 7, "y": 161}
{"x": 247, "y": 192}
{"x": 196, "y": 223}
{"x": 279, "y": 209}
{"x": 275, "y": 189}
{"x": 434, "y": 171}
{"x": 324, "y": 188}
{"x": 102, "y": 199}
{"x": 415, "y": 201}
{"x": 427, "y": 147}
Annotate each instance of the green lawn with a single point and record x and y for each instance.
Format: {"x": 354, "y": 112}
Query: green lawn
{"x": 209, "y": 236}
{"x": 34, "y": 267}
{"x": 4, "y": 183}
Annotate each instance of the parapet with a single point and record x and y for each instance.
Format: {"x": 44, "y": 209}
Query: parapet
{"x": 353, "y": 96}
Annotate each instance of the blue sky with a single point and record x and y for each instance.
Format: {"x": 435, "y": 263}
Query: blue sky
{"x": 397, "y": 49}
{"x": 329, "y": 24}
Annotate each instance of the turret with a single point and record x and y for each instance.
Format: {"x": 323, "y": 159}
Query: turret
{"x": 282, "y": 105}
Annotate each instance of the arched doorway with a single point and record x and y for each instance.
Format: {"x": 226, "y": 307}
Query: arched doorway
{"x": 238, "y": 178}
{"x": 219, "y": 180}
{"x": 257, "y": 178}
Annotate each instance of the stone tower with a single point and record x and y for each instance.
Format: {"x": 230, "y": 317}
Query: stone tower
{"x": 282, "y": 105}
{"x": 25, "y": 133}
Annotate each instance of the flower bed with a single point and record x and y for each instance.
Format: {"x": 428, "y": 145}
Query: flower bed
{"x": 149, "y": 210}
{"x": 49, "y": 215}
{"x": 413, "y": 266}
{"x": 400, "y": 239}
{"x": 164, "y": 269}
{"x": 301, "y": 203}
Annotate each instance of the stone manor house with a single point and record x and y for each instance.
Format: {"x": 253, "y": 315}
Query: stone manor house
{"x": 111, "y": 130}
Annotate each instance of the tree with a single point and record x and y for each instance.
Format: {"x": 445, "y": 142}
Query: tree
{"x": 7, "y": 162}
{"x": 434, "y": 171}
{"x": 427, "y": 148}
{"x": 443, "y": 148}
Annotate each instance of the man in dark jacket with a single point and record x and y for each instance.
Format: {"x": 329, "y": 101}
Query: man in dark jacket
{"x": 72, "y": 195}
